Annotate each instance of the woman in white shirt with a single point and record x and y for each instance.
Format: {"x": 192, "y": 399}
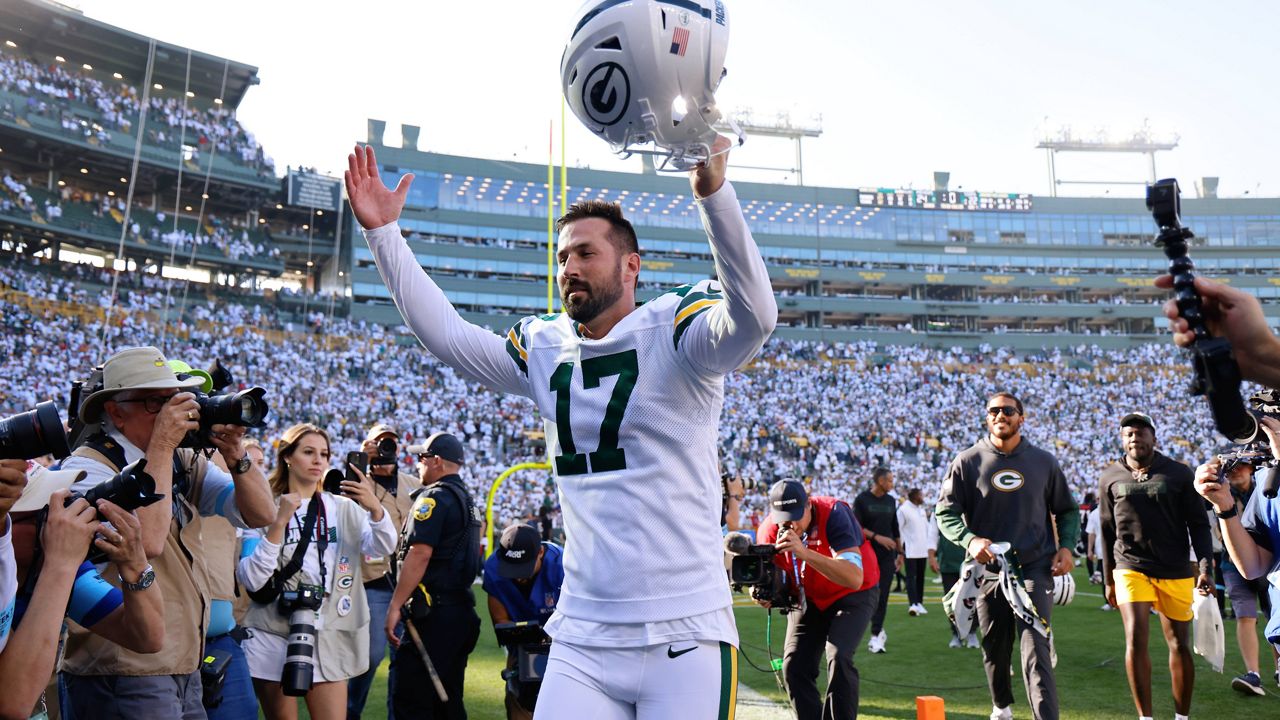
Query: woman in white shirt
{"x": 344, "y": 527}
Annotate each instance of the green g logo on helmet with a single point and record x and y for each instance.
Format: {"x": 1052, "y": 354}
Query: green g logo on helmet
{"x": 1007, "y": 480}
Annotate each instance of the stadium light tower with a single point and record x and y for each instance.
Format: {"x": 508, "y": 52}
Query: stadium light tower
{"x": 779, "y": 124}
{"x": 1142, "y": 142}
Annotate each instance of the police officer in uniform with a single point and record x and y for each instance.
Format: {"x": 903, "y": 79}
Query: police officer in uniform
{"x": 439, "y": 560}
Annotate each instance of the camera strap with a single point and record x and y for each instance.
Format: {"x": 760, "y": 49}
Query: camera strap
{"x": 271, "y": 589}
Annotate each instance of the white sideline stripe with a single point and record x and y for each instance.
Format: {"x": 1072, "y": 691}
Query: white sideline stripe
{"x": 754, "y": 706}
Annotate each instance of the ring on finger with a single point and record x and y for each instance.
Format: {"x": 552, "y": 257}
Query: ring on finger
{"x": 191, "y": 414}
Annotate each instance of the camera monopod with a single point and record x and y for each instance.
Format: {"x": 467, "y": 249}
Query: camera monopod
{"x": 1217, "y": 375}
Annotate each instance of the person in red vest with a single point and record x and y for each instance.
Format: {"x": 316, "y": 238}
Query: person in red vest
{"x": 819, "y": 538}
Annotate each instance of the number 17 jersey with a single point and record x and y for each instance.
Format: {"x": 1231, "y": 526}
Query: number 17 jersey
{"x": 632, "y": 426}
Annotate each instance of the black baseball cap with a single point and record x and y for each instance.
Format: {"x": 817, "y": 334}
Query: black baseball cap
{"x": 442, "y": 445}
{"x": 518, "y": 552}
{"x": 787, "y": 500}
{"x": 1137, "y": 418}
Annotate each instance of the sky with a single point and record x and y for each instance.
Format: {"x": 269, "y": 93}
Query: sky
{"x": 903, "y": 88}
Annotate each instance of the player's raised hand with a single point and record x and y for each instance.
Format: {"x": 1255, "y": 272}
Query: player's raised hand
{"x": 708, "y": 176}
{"x": 373, "y": 203}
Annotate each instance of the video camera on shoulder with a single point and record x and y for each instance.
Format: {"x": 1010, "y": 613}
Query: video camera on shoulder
{"x": 531, "y": 647}
{"x": 753, "y": 567}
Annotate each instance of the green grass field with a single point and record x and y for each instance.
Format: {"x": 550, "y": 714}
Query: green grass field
{"x": 1090, "y": 672}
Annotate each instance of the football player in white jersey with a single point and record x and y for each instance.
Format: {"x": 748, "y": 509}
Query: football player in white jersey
{"x": 631, "y": 399}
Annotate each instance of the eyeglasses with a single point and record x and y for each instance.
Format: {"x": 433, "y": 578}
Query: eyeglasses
{"x": 1008, "y": 410}
{"x": 152, "y": 404}
{"x": 423, "y": 457}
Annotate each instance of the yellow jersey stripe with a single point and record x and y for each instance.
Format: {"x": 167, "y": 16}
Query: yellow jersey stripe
{"x": 695, "y": 307}
{"x": 511, "y": 335}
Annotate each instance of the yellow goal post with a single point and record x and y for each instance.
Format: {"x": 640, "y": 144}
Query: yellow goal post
{"x": 493, "y": 492}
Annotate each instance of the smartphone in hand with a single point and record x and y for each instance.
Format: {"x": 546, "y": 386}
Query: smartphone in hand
{"x": 361, "y": 461}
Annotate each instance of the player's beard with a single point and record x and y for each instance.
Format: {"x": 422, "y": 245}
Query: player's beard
{"x": 599, "y": 297}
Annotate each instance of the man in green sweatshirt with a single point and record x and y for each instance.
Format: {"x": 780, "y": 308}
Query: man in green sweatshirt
{"x": 1004, "y": 489}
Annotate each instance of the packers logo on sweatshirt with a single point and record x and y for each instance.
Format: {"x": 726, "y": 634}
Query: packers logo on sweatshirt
{"x": 1007, "y": 480}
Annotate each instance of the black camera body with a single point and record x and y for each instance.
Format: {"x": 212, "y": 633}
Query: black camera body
{"x": 246, "y": 408}
{"x": 300, "y": 605}
{"x": 530, "y": 646}
{"x": 386, "y": 452}
{"x": 1257, "y": 452}
{"x": 131, "y": 488}
{"x": 753, "y": 567}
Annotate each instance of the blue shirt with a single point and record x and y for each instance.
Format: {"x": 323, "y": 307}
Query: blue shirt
{"x": 543, "y": 595}
{"x": 1261, "y": 518}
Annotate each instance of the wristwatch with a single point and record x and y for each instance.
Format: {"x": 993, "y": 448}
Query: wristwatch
{"x": 242, "y": 465}
{"x": 1235, "y": 510}
{"x": 147, "y": 577}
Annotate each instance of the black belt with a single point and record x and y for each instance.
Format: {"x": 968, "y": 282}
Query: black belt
{"x": 450, "y": 598}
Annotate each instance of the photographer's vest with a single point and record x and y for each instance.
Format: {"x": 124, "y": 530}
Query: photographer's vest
{"x": 221, "y": 554}
{"x": 342, "y": 635}
{"x": 181, "y": 576}
{"x": 398, "y": 507}
{"x": 818, "y": 588}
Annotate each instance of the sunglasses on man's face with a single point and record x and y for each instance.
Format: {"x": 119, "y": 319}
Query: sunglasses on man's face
{"x": 1008, "y": 410}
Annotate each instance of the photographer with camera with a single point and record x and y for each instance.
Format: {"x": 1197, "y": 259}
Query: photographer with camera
{"x": 146, "y": 413}
{"x": 820, "y": 539}
{"x": 392, "y": 488}
{"x": 439, "y": 560}
{"x": 1251, "y": 531}
{"x": 523, "y": 578}
{"x": 305, "y": 573}
{"x": 1148, "y": 510}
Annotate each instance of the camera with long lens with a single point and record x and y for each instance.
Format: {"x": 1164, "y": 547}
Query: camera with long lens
{"x": 246, "y": 408}
{"x": 530, "y": 647}
{"x": 1217, "y": 375}
{"x": 753, "y": 567}
{"x": 33, "y": 433}
{"x": 386, "y": 454}
{"x": 300, "y": 605}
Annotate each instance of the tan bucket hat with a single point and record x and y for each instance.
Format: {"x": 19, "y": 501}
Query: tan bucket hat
{"x": 140, "y": 368}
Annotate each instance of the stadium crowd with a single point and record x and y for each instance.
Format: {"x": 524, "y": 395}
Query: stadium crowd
{"x": 908, "y": 408}
{"x": 229, "y": 237}
{"x": 54, "y": 90}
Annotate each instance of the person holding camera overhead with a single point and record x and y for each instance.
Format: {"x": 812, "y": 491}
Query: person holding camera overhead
{"x": 146, "y": 411}
{"x": 820, "y": 538}
{"x": 309, "y": 560}
{"x": 439, "y": 560}
{"x": 392, "y": 488}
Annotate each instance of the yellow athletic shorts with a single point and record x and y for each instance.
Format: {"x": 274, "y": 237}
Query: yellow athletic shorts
{"x": 1171, "y": 598}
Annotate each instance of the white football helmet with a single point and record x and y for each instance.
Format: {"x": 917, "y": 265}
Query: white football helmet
{"x": 1064, "y": 589}
{"x": 640, "y": 72}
